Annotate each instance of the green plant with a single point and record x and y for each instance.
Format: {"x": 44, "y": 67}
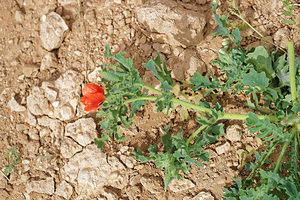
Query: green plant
{"x": 288, "y": 11}
{"x": 13, "y": 159}
{"x": 254, "y": 73}
{"x": 234, "y": 10}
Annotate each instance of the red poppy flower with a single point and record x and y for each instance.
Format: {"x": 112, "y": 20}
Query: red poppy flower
{"x": 93, "y": 96}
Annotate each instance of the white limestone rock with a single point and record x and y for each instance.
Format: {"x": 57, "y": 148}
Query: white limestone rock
{"x": 233, "y": 133}
{"x": 152, "y": 184}
{"x": 37, "y": 103}
{"x": 181, "y": 185}
{"x": 43, "y": 186}
{"x": 203, "y": 196}
{"x": 167, "y": 22}
{"x": 49, "y": 61}
{"x": 186, "y": 64}
{"x": 69, "y": 148}
{"x": 94, "y": 76}
{"x": 15, "y": 106}
{"x": 64, "y": 190}
{"x": 83, "y": 131}
{"x": 57, "y": 99}
{"x": 56, "y": 127}
{"x": 69, "y": 88}
{"x": 129, "y": 161}
{"x": 52, "y": 31}
{"x": 89, "y": 172}
{"x": 223, "y": 148}
{"x": 281, "y": 37}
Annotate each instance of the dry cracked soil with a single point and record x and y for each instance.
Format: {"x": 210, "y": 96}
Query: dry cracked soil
{"x": 50, "y": 49}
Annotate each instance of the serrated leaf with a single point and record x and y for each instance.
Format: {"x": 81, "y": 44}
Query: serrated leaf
{"x": 287, "y": 13}
{"x": 204, "y": 104}
{"x": 254, "y": 79}
{"x": 237, "y": 36}
{"x": 219, "y": 107}
{"x": 100, "y": 141}
{"x": 161, "y": 73}
{"x": 125, "y": 121}
{"x": 217, "y": 129}
{"x": 250, "y": 104}
{"x": 296, "y": 107}
{"x": 165, "y": 86}
{"x": 280, "y": 63}
{"x": 222, "y": 22}
{"x": 166, "y": 140}
{"x": 203, "y": 81}
{"x": 268, "y": 130}
{"x": 136, "y": 106}
{"x": 139, "y": 155}
{"x": 109, "y": 76}
{"x": 152, "y": 149}
{"x": 291, "y": 189}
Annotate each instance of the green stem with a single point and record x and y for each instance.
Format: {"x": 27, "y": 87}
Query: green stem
{"x": 233, "y": 116}
{"x": 292, "y": 72}
{"x": 147, "y": 98}
{"x": 262, "y": 160}
{"x": 285, "y": 146}
{"x": 149, "y": 88}
{"x": 262, "y": 37}
{"x": 196, "y": 133}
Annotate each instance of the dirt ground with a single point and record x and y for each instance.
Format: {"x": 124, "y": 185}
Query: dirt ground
{"x": 41, "y": 81}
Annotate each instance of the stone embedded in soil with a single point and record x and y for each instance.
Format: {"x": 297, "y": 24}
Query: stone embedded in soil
{"x": 64, "y": 190}
{"x": 69, "y": 88}
{"x": 33, "y": 133}
{"x": 65, "y": 90}
{"x": 94, "y": 75}
{"x": 19, "y": 17}
{"x": 152, "y": 184}
{"x": 201, "y": 1}
{"x": 181, "y": 185}
{"x": 163, "y": 48}
{"x": 233, "y": 133}
{"x": 186, "y": 64}
{"x": 129, "y": 161}
{"x": 281, "y": 37}
{"x": 30, "y": 70}
{"x": 203, "y": 196}
{"x": 49, "y": 93}
{"x": 135, "y": 180}
{"x": 49, "y": 61}
{"x": 69, "y": 148}
{"x": 83, "y": 131}
{"x": 67, "y": 2}
{"x": 52, "y": 31}
{"x": 3, "y": 182}
{"x": 166, "y": 22}
{"x": 43, "y": 186}
{"x": 223, "y": 148}
{"x": 15, "y": 106}
{"x": 4, "y": 194}
{"x": 56, "y": 126}
{"x": 30, "y": 119}
{"x": 37, "y": 103}
{"x": 89, "y": 172}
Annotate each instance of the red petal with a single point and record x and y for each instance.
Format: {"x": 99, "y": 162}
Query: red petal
{"x": 92, "y": 88}
{"x": 92, "y": 101}
{"x": 91, "y": 108}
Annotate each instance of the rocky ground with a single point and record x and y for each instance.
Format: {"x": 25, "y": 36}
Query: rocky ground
{"x": 51, "y": 48}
